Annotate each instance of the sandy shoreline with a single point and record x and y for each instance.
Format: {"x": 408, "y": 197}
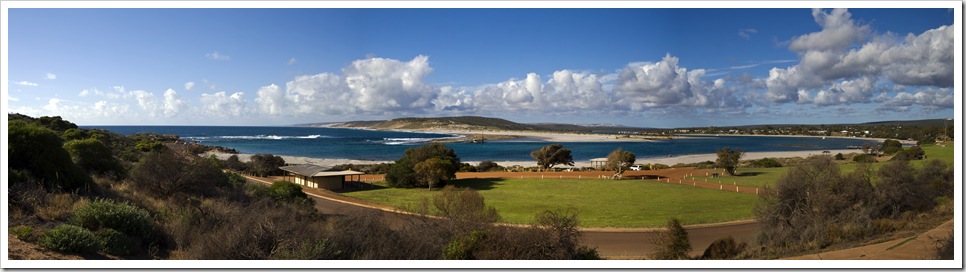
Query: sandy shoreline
{"x": 694, "y": 158}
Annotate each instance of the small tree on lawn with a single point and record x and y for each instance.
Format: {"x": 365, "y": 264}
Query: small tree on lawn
{"x": 728, "y": 159}
{"x": 620, "y": 160}
{"x": 551, "y": 155}
{"x": 433, "y": 171}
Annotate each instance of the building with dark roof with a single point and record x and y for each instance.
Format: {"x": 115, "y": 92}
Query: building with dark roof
{"x": 315, "y": 176}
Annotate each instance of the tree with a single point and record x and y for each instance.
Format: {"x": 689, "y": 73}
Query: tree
{"x": 403, "y": 173}
{"x": 433, "y": 171}
{"x": 234, "y": 164}
{"x": 266, "y": 164}
{"x": 41, "y": 153}
{"x": 551, "y": 155}
{"x": 619, "y": 161}
{"x": 890, "y": 146}
{"x": 93, "y": 156}
{"x": 728, "y": 159}
{"x": 672, "y": 243}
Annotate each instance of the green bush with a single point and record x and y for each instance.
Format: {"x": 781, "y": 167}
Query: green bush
{"x": 22, "y": 232}
{"x": 115, "y": 243}
{"x": 130, "y": 220}
{"x": 40, "y": 152}
{"x": 286, "y": 191}
{"x": 839, "y": 157}
{"x": 766, "y": 163}
{"x": 672, "y": 243}
{"x": 69, "y": 238}
{"x": 864, "y": 158}
{"x": 723, "y": 249}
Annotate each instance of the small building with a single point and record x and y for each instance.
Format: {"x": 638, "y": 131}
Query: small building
{"x": 598, "y": 163}
{"x": 315, "y": 176}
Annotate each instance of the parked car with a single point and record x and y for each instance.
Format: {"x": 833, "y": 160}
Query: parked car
{"x": 637, "y": 167}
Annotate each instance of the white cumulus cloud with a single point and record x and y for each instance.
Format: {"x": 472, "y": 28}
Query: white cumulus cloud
{"x": 844, "y": 51}
{"x": 50, "y": 76}
{"x": 189, "y": 85}
{"x": 222, "y": 104}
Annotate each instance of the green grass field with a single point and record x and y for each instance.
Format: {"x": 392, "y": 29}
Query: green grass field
{"x": 601, "y": 203}
{"x": 621, "y": 203}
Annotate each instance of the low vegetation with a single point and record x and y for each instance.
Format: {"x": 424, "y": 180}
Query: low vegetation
{"x": 814, "y": 205}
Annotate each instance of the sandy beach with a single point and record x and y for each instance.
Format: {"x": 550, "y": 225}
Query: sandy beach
{"x": 534, "y": 136}
{"x": 662, "y": 160}
{"x": 296, "y": 159}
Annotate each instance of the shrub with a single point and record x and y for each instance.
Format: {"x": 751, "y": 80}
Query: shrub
{"x": 658, "y": 166}
{"x": 22, "y": 232}
{"x": 287, "y": 191}
{"x": 130, "y": 220}
{"x": 864, "y": 158}
{"x": 461, "y": 248}
{"x": 945, "y": 247}
{"x": 69, "y": 238}
{"x": 766, "y": 163}
{"x": 465, "y": 206}
{"x": 95, "y": 157}
{"x": 115, "y": 243}
{"x": 839, "y": 157}
{"x": 149, "y": 146}
{"x": 672, "y": 243}
{"x": 466, "y": 167}
{"x": 165, "y": 173}
{"x": 40, "y": 152}
{"x": 486, "y": 166}
{"x": 723, "y": 249}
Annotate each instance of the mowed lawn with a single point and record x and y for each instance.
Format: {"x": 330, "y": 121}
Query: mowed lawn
{"x": 601, "y": 203}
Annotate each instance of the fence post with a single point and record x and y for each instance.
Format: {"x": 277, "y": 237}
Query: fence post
{"x": 720, "y": 187}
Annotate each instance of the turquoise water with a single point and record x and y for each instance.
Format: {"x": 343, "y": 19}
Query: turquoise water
{"x": 389, "y": 145}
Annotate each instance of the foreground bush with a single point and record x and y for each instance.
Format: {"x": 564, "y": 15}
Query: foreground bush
{"x": 130, "y": 220}
{"x": 723, "y": 249}
{"x": 672, "y": 243}
{"x": 69, "y": 238}
{"x": 115, "y": 243}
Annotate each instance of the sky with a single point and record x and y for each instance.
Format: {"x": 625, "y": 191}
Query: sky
{"x": 650, "y": 67}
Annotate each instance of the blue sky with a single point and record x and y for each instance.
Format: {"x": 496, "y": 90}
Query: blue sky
{"x": 638, "y": 67}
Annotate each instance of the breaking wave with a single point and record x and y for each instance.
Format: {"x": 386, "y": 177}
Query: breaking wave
{"x": 257, "y": 137}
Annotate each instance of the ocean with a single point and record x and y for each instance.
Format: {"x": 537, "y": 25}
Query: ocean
{"x": 355, "y": 144}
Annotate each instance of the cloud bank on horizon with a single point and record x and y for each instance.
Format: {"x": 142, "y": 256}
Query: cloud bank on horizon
{"x": 846, "y": 68}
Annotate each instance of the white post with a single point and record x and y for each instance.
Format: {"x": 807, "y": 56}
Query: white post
{"x": 756, "y": 191}
{"x": 720, "y": 187}
{"x": 736, "y": 189}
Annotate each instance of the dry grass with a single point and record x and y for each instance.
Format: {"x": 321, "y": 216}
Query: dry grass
{"x": 59, "y": 206}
